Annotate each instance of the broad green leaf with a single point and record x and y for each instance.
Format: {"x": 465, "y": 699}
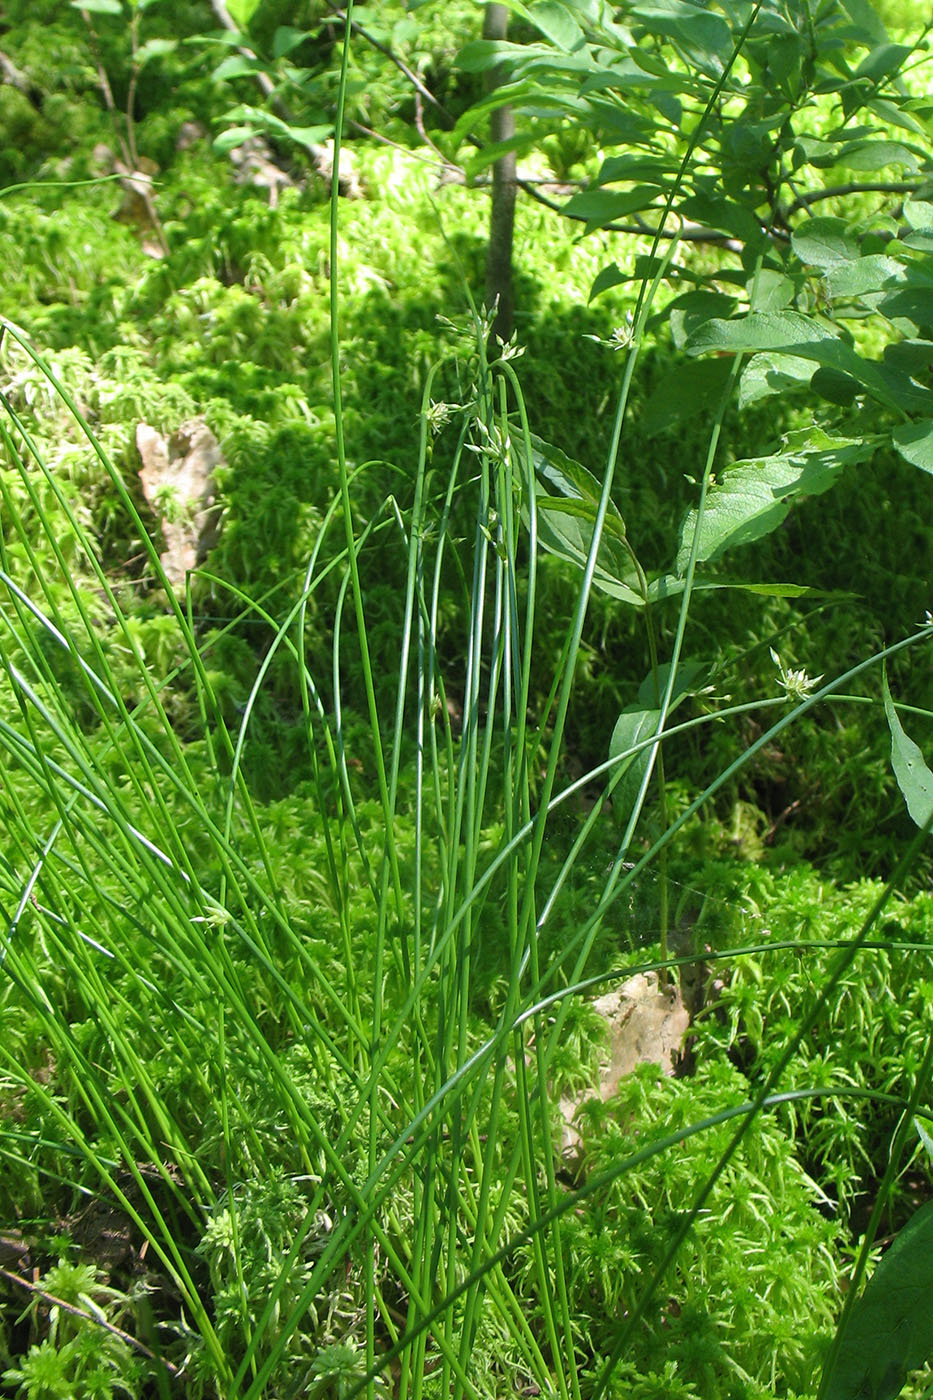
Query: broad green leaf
{"x": 802, "y": 336}
{"x": 286, "y": 38}
{"x": 885, "y": 61}
{"x": 704, "y": 38}
{"x": 610, "y": 276}
{"x": 770, "y": 291}
{"x": 824, "y": 243}
{"x": 914, "y": 441}
{"x": 878, "y": 156}
{"x": 691, "y": 675}
{"x": 889, "y": 1331}
{"x": 236, "y": 65}
{"x": 670, "y": 586}
{"x": 557, "y": 23}
{"x": 567, "y": 499}
{"x": 769, "y": 374}
{"x": 231, "y": 138}
{"x": 863, "y": 14}
{"x": 909, "y": 303}
{"x": 691, "y": 310}
{"x": 722, "y": 214}
{"x": 98, "y": 7}
{"x": 154, "y": 48}
{"x": 897, "y": 116}
{"x": 834, "y": 386}
{"x": 763, "y": 330}
{"x": 918, "y": 213}
{"x": 683, "y": 394}
{"x": 916, "y": 783}
{"x": 752, "y": 497}
{"x": 600, "y": 207}
{"x": 640, "y": 721}
{"x": 242, "y": 11}
{"x": 873, "y": 273}
{"x": 633, "y": 725}
{"x": 636, "y": 167}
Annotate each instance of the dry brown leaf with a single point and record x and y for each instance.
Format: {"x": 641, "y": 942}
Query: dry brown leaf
{"x": 177, "y": 478}
{"x": 646, "y": 1025}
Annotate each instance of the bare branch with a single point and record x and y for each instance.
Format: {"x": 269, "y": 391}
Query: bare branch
{"x": 687, "y": 233}
{"x": 803, "y": 201}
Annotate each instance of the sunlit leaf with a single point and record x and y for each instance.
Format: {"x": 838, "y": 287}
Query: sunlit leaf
{"x": 600, "y": 207}
{"x": 802, "y": 336}
{"x": 557, "y": 23}
{"x": 154, "y": 48}
{"x": 242, "y": 11}
{"x": 640, "y": 721}
{"x": 769, "y": 374}
{"x": 752, "y": 498}
{"x": 236, "y": 65}
{"x": 824, "y": 242}
{"x": 704, "y": 37}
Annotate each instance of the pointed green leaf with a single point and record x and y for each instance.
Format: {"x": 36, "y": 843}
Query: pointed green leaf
{"x": 824, "y": 242}
{"x": 863, "y": 13}
{"x": 557, "y": 24}
{"x": 691, "y": 675}
{"x": 916, "y": 783}
{"x": 723, "y": 214}
{"x": 601, "y": 207}
{"x": 669, "y": 586}
{"x": 704, "y": 38}
{"x": 640, "y": 721}
{"x": 770, "y": 291}
{"x": 918, "y": 213}
{"x": 242, "y": 11}
{"x": 608, "y": 277}
{"x": 878, "y": 156}
{"x": 154, "y": 48}
{"x": 765, "y": 375}
{"x": 873, "y": 273}
{"x": 236, "y": 65}
{"x": 567, "y": 499}
{"x": 681, "y": 394}
{"x": 231, "y": 138}
{"x": 889, "y": 1331}
{"x": 631, "y": 727}
{"x": 286, "y": 38}
{"x": 752, "y": 497}
{"x": 803, "y": 336}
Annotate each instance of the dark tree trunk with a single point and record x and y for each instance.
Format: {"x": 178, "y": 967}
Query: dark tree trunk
{"x": 502, "y": 218}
